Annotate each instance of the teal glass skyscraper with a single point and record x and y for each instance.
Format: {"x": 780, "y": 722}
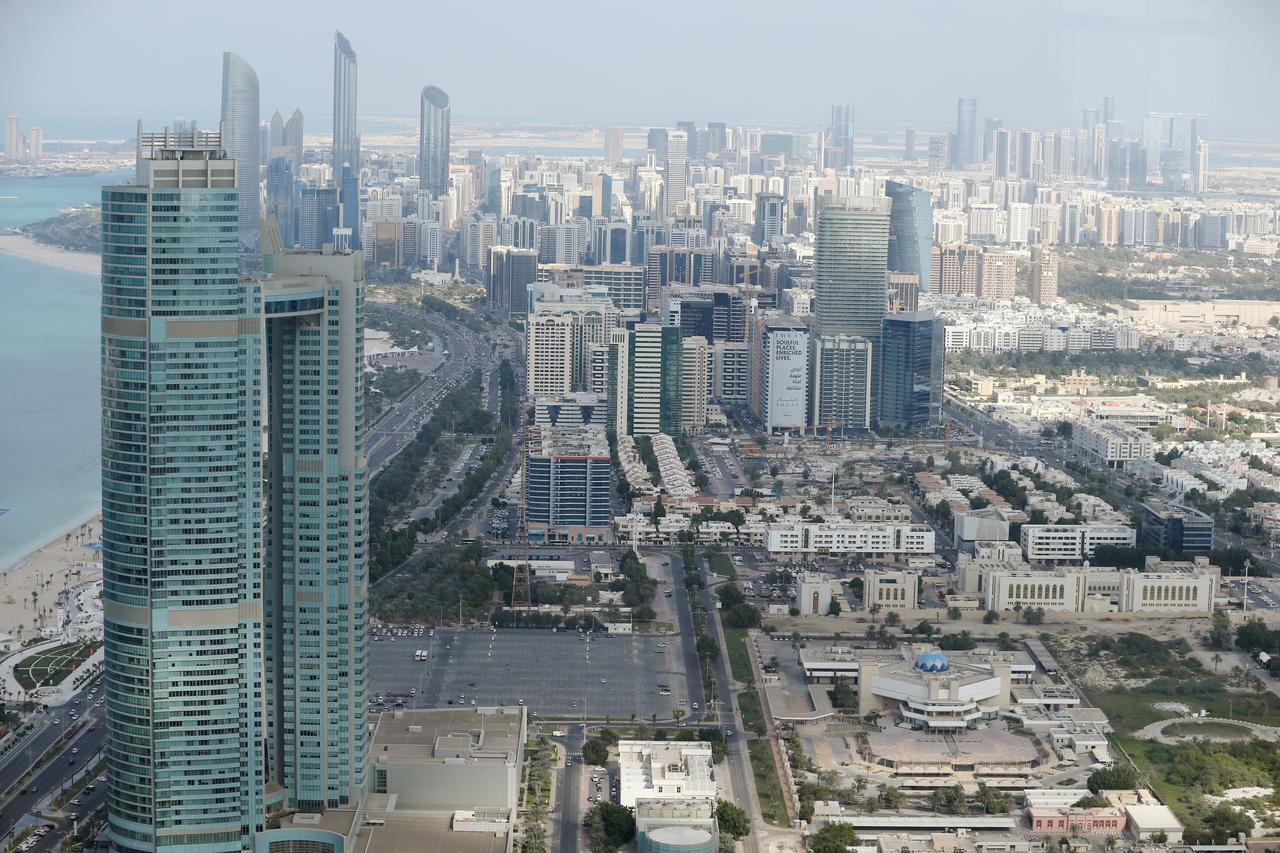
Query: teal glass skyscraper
{"x": 181, "y": 504}
{"x": 910, "y": 232}
{"x": 234, "y": 513}
{"x": 911, "y": 370}
{"x": 433, "y": 141}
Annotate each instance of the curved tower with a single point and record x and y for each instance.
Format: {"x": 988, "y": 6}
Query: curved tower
{"x": 240, "y": 138}
{"x": 433, "y": 141}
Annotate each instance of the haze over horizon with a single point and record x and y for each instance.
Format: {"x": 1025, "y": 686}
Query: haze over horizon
{"x": 715, "y": 60}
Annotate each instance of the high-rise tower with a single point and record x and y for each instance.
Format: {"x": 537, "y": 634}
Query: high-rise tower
{"x": 840, "y": 153}
{"x": 433, "y": 141}
{"x": 910, "y": 231}
{"x": 240, "y": 138}
{"x": 346, "y": 144}
{"x": 966, "y": 149}
{"x": 181, "y": 504}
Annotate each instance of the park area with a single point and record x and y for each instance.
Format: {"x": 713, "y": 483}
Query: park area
{"x": 52, "y": 666}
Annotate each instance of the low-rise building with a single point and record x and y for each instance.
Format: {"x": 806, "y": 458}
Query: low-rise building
{"x": 804, "y": 538}
{"x": 687, "y": 826}
{"x": 1177, "y": 527}
{"x": 665, "y": 770}
{"x": 1110, "y": 444}
{"x": 891, "y": 589}
{"x": 813, "y": 593}
{"x": 1065, "y": 543}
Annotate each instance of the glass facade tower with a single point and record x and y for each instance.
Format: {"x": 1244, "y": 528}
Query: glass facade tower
{"x": 911, "y": 370}
{"x": 433, "y": 141}
{"x": 181, "y": 504}
{"x": 346, "y": 144}
{"x": 240, "y": 138}
{"x": 910, "y": 231}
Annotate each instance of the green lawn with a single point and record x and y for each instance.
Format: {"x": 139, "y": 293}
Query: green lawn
{"x": 739, "y": 654}
{"x": 768, "y": 788}
{"x": 51, "y": 666}
{"x": 752, "y": 714}
{"x": 1131, "y": 710}
{"x": 721, "y": 565}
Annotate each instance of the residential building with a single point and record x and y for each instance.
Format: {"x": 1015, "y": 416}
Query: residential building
{"x": 792, "y": 538}
{"x": 568, "y": 485}
{"x": 1058, "y": 543}
{"x": 1110, "y": 444}
{"x": 644, "y": 380}
{"x": 842, "y": 388}
{"x": 695, "y": 380}
{"x": 780, "y": 374}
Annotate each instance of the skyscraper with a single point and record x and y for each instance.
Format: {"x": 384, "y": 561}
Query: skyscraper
{"x": 909, "y": 145}
{"x": 676, "y": 172}
{"x": 35, "y": 145}
{"x": 292, "y": 139}
{"x": 510, "y": 273}
{"x": 771, "y": 217}
{"x": 840, "y": 152}
{"x": 910, "y": 231}
{"x": 966, "y": 150}
{"x": 433, "y": 141}
{"x": 851, "y": 257}
{"x": 281, "y": 195}
{"x": 317, "y": 216}
{"x": 645, "y": 364}
{"x": 240, "y": 139}
{"x": 181, "y": 504}
{"x": 231, "y": 641}
{"x": 12, "y": 139}
{"x": 346, "y": 143}
{"x": 613, "y": 146}
{"x": 911, "y": 370}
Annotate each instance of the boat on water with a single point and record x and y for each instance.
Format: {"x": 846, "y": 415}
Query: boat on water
{"x": 13, "y": 229}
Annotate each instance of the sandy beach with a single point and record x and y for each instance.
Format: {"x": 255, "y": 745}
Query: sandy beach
{"x": 22, "y": 246}
{"x": 46, "y": 572}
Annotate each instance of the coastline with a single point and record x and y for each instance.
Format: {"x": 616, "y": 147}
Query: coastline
{"x": 22, "y": 246}
{"x": 46, "y": 572}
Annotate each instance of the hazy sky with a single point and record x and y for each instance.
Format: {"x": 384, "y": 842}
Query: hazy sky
{"x": 94, "y": 66}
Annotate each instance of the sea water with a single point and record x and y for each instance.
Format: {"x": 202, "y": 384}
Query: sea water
{"x": 49, "y": 390}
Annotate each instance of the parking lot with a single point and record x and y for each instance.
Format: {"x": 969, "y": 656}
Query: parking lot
{"x": 558, "y": 675}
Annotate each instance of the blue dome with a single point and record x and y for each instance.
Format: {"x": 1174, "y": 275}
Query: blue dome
{"x": 933, "y": 662}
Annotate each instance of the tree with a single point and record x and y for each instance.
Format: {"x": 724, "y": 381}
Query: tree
{"x": 1219, "y": 636}
{"x": 730, "y": 595}
{"x": 1163, "y": 837}
{"x": 990, "y": 618}
{"x": 892, "y": 618}
{"x": 833, "y": 609}
{"x": 732, "y": 820}
{"x": 844, "y": 696}
{"x": 595, "y": 751}
{"x": 954, "y": 613}
{"x": 1033, "y": 616}
{"x": 707, "y": 648}
{"x": 609, "y": 826}
{"x": 1115, "y": 778}
{"x": 743, "y": 616}
{"x": 833, "y": 838}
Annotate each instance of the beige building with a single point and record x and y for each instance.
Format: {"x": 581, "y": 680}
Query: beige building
{"x": 892, "y": 589}
{"x": 813, "y": 593}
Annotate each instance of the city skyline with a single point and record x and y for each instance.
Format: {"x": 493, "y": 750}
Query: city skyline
{"x": 1046, "y": 70}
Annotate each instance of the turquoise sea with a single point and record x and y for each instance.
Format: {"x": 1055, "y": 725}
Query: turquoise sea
{"x": 49, "y": 408}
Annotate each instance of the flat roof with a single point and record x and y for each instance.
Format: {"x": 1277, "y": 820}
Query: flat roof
{"x": 426, "y": 835}
{"x": 478, "y": 735}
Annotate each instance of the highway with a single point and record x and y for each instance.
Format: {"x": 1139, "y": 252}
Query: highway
{"x": 65, "y": 762}
{"x": 398, "y": 427}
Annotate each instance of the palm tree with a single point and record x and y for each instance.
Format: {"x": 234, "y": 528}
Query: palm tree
{"x": 1217, "y": 659}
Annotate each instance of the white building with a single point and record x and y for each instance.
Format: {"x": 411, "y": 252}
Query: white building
{"x": 1110, "y": 444}
{"x": 664, "y": 770}
{"x": 802, "y": 538}
{"x": 1045, "y": 543}
{"x": 891, "y": 589}
{"x": 813, "y": 593}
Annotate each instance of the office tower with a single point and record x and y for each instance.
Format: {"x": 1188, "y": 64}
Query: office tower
{"x": 903, "y": 291}
{"x": 549, "y": 354}
{"x": 613, "y": 146}
{"x": 909, "y": 145}
{"x": 910, "y": 231}
{"x": 601, "y": 195}
{"x": 12, "y": 139}
{"x": 1028, "y": 154}
{"x": 695, "y": 379}
{"x": 182, "y": 513}
{"x": 840, "y": 152}
{"x": 1003, "y": 155}
{"x": 568, "y": 488}
{"x": 911, "y": 371}
{"x": 346, "y": 142}
{"x": 280, "y": 198}
{"x": 779, "y": 348}
{"x": 240, "y": 138}
{"x": 717, "y": 137}
{"x": 690, "y": 130}
{"x": 433, "y": 141}
{"x": 1044, "y": 275}
{"x": 715, "y": 312}
{"x": 656, "y": 141}
{"x": 510, "y": 273}
{"x": 842, "y": 395}
{"x": 35, "y": 144}
{"x": 275, "y": 135}
{"x": 990, "y": 125}
{"x": 967, "y": 149}
{"x": 317, "y": 216}
{"x": 1200, "y": 173}
{"x": 937, "y": 155}
{"x": 771, "y": 216}
{"x": 292, "y": 140}
{"x": 675, "y": 174}
{"x": 1108, "y": 109}
{"x": 1090, "y": 118}
{"x": 999, "y": 277}
{"x": 315, "y": 611}
{"x": 676, "y": 264}
{"x": 644, "y": 379}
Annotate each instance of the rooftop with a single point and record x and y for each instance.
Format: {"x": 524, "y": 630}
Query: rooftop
{"x": 474, "y": 735}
